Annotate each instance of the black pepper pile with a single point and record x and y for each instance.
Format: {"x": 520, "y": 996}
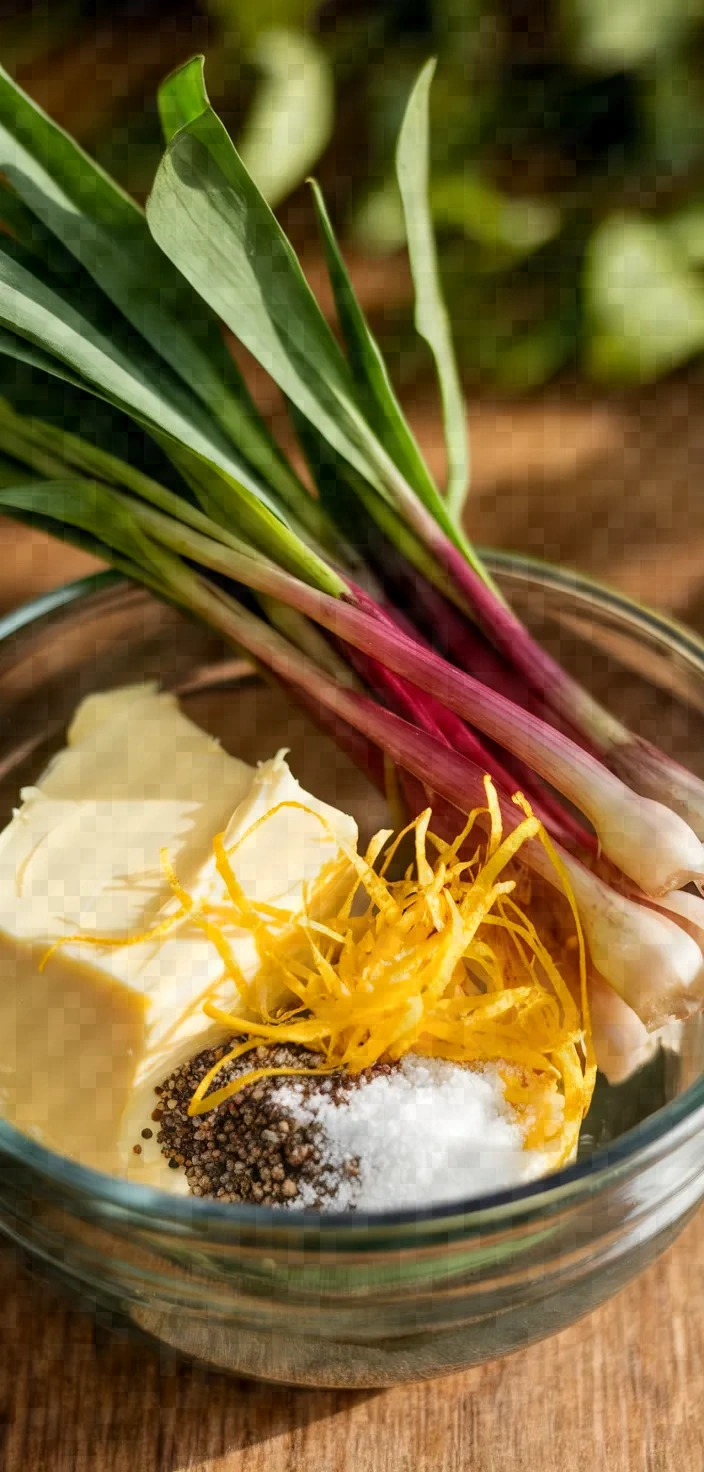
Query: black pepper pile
{"x": 252, "y": 1148}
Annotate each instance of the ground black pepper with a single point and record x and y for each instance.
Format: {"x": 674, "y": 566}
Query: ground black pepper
{"x": 251, "y": 1148}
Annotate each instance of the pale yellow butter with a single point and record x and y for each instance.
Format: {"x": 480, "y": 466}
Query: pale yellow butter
{"x": 83, "y": 1042}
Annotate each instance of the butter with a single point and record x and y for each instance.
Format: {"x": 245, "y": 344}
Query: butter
{"x": 83, "y": 1042}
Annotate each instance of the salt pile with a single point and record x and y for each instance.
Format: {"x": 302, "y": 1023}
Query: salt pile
{"x": 428, "y": 1132}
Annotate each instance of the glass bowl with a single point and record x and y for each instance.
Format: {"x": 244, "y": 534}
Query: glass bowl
{"x": 354, "y": 1300}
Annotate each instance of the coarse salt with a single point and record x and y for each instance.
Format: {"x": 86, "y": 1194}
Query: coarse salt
{"x": 429, "y": 1132}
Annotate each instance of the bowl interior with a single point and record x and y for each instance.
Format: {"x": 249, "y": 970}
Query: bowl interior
{"x": 106, "y": 633}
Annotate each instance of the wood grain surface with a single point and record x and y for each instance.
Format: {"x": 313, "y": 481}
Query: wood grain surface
{"x": 614, "y": 487}
{"x": 623, "y": 1391}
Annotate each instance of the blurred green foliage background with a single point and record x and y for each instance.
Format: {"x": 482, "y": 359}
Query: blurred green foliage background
{"x": 568, "y": 149}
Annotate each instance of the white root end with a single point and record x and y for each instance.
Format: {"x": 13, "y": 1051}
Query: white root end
{"x": 648, "y": 959}
{"x": 622, "y": 1043}
{"x": 654, "y": 965}
{"x": 688, "y": 910}
{"x": 655, "y": 775}
{"x": 651, "y": 844}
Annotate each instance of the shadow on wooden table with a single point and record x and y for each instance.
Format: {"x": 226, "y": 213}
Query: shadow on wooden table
{"x": 622, "y": 1390}
{"x": 75, "y": 1394}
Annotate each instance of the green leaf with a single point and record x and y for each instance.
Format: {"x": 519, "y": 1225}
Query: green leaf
{"x": 210, "y": 219}
{"x": 255, "y": 523}
{"x": 157, "y": 396}
{"x": 181, "y": 97}
{"x": 369, "y": 370}
{"x": 62, "y": 532}
{"x": 249, "y": 19}
{"x": 625, "y": 34}
{"x": 510, "y": 227}
{"x": 225, "y": 498}
{"x": 120, "y": 521}
{"x": 82, "y": 417}
{"x": 686, "y": 231}
{"x": 645, "y": 306}
{"x": 27, "y": 230}
{"x": 376, "y": 222}
{"x": 65, "y": 532}
{"x": 18, "y": 438}
{"x": 89, "y": 507}
{"x": 355, "y": 508}
{"x": 87, "y": 406}
{"x": 431, "y": 317}
{"x": 107, "y": 232}
{"x": 291, "y": 118}
{"x": 535, "y": 354}
{"x": 57, "y": 453}
{"x": 14, "y": 346}
{"x": 12, "y": 473}
{"x": 671, "y": 96}
{"x": 26, "y": 305}
{"x": 134, "y": 381}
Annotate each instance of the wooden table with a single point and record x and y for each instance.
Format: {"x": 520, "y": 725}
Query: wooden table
{"x": 613, "y": 487}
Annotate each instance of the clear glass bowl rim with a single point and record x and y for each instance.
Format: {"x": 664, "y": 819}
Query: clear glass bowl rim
{"x": 631, "y": 1150}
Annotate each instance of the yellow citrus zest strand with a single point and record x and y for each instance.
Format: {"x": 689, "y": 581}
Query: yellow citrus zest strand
{"x": 443, "y": 963}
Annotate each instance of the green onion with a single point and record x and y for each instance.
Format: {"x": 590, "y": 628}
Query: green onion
{"x": 366, "y": 599}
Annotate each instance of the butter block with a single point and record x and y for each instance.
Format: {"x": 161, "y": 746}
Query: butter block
{"x": 83, "y": 1041}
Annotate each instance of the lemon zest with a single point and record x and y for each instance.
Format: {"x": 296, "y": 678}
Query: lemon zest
{"x": 206, "y": 1081}
{"x": 494, "y": 817}
{"x": 400, "y": 977}
{"x": 220, "y": 1096}
{"x": 443, "y": 962}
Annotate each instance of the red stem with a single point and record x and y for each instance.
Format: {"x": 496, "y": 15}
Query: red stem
{"x": 574, "y": 772}
{"x": 454, "y": 777}
{"x": 510, "y": 771}
{"x": 448, "y": 728}
{"x": 464, "y": 644}
{"x": 506, "y": 632}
